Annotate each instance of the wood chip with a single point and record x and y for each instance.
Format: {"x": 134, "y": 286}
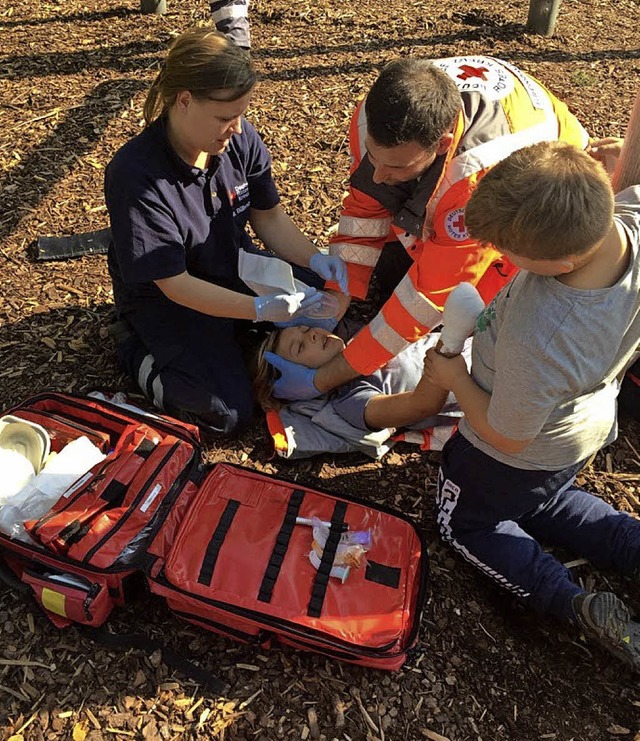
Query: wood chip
{"x": 432, "y": 735}
{"x": 94, "y": 721}
{"x": 26, "y": 662}
{"x": 312, "y": 717}
{"x": 367, "y": 718}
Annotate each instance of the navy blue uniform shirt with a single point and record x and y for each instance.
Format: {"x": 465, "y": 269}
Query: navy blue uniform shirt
{"x": 168, "y": 217}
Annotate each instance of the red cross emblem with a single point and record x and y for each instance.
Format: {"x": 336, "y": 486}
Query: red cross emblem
{"x": 455, "y": 226}
{"x": 469, "y": 71}
{"x": 458, "y": 224}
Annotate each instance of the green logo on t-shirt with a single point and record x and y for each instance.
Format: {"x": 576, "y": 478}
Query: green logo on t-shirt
{"x": 486, "y": 316}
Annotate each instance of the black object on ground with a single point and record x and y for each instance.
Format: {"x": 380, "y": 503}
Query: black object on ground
{"x": 62, "y": 248}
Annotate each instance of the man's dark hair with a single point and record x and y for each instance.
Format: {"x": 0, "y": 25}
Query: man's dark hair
{"x": 411, "y": 101}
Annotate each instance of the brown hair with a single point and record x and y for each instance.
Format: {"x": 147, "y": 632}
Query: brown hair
{"x": 411, "y": 101}
{"x": 544, "y": 202}
{"x": 204, "y": 62}
{"x": 264, "y": 374}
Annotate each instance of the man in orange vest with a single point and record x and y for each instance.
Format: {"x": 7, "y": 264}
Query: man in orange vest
{"x": 425, "y": 134}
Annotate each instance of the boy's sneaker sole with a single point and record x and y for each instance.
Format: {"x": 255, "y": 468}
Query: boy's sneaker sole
{"x": 606, "y": 619}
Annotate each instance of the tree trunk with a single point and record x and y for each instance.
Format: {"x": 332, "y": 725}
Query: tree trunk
{"x": 542, "y": 16}
{"x": 159, "y": 7}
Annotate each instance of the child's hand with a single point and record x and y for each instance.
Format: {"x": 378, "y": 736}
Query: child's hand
{"x": 600, "y": 149}
{"x": 443, "y": 372}
{"x": 427, "y": 398}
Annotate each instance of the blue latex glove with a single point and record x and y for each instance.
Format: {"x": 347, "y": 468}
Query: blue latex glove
{"x": 295, "y": 382}
{"x": 280, "y": 307}
{"x": 331, "y": 267}
{"x": 309, "y": 321}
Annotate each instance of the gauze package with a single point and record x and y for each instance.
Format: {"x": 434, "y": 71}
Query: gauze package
{"x": 264, "y": 275}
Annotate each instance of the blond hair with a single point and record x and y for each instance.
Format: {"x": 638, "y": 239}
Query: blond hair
{"x": 264, "y": 374}
{"x": 205, "y": 63}
{"x": 544, "y": 202}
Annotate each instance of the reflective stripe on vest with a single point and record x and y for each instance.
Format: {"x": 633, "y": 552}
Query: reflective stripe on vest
{"x": 358, "y": 254}
{"x": 416, "y": 304}
{"x": 387, "y": 336}
{"x": 489, "y": 154}
{"x": 352, "y": 226}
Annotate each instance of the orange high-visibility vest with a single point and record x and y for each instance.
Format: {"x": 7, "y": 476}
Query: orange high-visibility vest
{"x": 503, "y": 110}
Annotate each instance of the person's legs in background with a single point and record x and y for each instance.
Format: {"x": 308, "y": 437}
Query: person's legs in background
{"x": 232, "y": 19}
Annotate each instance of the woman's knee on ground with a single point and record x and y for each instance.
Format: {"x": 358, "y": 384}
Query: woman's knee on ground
{"x": 225, "y": 416}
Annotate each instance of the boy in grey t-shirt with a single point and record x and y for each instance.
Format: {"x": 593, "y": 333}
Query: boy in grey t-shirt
{"x": 541, "y": 397}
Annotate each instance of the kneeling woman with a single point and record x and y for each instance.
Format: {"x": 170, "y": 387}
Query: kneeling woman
{"x": 179, "y": 196}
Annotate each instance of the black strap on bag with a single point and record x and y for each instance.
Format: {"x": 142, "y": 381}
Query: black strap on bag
{"x": 124, "y": 641}
{"x": 171, "y": 658}
{"x": 217, "y": 539}
{"x": 281, "y": 545}
{"x": 380, "y": 573}
{"x": 321, "y": 581}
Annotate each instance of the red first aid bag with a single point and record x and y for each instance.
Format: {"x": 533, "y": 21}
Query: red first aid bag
{"x": 239, "y": 564}
{"x": 223, "y": 545}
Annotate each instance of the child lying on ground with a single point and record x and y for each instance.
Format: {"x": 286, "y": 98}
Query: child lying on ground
{"x": 395, "y": 396}
{"x": 541, "y": 398}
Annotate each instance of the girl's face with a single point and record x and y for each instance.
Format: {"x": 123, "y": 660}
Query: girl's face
{"x": 309, "y": 346}
{"x": 204, "y": 125}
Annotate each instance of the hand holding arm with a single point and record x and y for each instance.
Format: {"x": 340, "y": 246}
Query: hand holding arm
{"x": 600, "y": 149}
{"x": 452, "y": 374}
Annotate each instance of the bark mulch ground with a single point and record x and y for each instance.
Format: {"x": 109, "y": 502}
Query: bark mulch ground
{"x": 73, "y": 80}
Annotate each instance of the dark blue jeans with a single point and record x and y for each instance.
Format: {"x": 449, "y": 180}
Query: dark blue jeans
{"x": 494, "y": 515}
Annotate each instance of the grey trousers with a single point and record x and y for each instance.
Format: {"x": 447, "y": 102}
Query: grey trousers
{"x": 232, "y": 19}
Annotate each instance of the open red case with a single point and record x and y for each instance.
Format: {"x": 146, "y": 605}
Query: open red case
{"x": 220, "y": 544}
